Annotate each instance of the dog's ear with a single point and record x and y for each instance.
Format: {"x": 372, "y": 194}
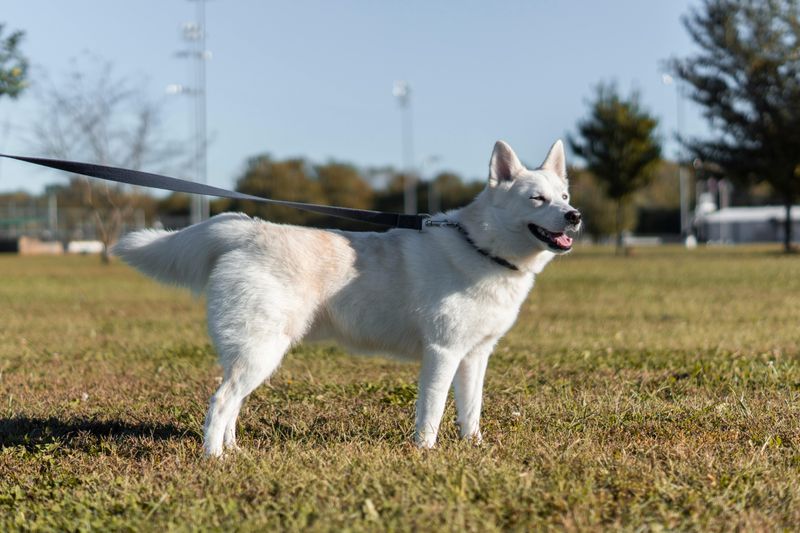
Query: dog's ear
{"x": 504, "y": 165}
{"x": 556, "y": 160}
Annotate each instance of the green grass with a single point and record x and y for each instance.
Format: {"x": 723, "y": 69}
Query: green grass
{"x": 656, "y": 391}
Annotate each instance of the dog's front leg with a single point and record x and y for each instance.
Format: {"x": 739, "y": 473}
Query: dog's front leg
{"x": 438, "y": 368}
{"x": 468, "y": 391}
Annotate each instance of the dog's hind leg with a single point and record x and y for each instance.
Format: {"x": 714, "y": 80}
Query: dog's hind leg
{"x": 243, "y": 374}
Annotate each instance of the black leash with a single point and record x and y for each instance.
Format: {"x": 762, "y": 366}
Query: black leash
{"x": 157, "y": 181}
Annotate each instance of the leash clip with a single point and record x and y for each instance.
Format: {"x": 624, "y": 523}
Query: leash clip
{"x": 439, "y": 223}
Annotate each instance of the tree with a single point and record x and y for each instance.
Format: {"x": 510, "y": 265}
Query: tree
{"x": 76, "y": 222}
{"x": 597, "y": 209}
{"x": 280, "y": 180}
{"x": 451, "y": 190}
{"x": 619, "y": 144}
{"x": 104, "y": 119}
{"x": 342, "y": 184}
{"x": 653, "y": 209}
{"x": 747, "y": 78}
{"x": 13, "y": 65}
{"x": 454, "y": 192}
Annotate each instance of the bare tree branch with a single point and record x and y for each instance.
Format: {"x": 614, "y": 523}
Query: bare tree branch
{"x": 102, "y": 118}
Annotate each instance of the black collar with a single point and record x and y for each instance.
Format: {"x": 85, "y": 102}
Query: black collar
{"x": 499, "y": 260}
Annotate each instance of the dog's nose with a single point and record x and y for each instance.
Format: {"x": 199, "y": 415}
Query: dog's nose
{"x": 573, "y": 217}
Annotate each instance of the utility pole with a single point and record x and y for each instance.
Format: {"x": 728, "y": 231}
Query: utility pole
{"x": 195, "y": 34}
{"x": 52, "y": 210}
{"x": 434, "y": 200}
{"x": 402, "y": 91}
{"x": 683, "y": 178}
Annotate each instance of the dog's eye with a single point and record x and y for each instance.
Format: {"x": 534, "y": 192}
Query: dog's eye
{"x": 565, "y": 196}
{"x": 539, "y": 198}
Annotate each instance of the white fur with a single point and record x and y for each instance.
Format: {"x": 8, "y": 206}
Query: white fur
{"x": 427, "y": 296}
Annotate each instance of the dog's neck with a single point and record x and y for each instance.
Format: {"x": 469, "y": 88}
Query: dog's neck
{"x": 489, "y": 235}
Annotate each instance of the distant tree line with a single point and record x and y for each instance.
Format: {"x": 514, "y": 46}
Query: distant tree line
{"x": 331, "y": 183}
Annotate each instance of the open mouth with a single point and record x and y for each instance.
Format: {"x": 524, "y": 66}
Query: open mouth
{"x": 557, "y": 241}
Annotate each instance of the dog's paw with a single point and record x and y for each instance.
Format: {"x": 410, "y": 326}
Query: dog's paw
{"x": 425, "y": 442}
{"x": 213, "y": 452}
{"x": 476, "y": 438}
{"x": 472, "y": 435}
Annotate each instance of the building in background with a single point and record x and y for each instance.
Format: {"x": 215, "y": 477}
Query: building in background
{"x": 736, "y": 225}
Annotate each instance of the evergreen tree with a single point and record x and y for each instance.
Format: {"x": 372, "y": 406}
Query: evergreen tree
{"x": 618, "y": 142}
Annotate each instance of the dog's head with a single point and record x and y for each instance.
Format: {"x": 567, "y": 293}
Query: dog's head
{"x": 532, "y": 206}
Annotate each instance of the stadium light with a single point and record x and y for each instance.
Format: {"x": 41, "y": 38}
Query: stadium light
{"x": 195, "y": 34}
{"x": 402, "y": 92}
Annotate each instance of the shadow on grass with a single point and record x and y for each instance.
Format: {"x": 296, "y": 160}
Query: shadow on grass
{"x": 31, "y": 432}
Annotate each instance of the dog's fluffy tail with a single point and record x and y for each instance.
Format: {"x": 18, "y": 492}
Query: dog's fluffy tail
{"x": 185, "y": 257}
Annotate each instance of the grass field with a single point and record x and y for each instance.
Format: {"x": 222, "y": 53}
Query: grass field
{"x": 658, "y": 390}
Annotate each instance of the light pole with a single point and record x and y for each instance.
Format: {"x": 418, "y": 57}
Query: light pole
{"x": 683, "y": 178}
{"x": 433, "y": 191}
{"x": 52, "y": 210}
{"x": 402, "y": 91}
{"x": 195, "y": 34}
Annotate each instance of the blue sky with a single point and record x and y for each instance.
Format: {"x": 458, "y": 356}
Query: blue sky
{"x": 314, "y": 78}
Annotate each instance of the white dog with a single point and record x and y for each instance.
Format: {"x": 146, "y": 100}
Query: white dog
{"x": 444, "y": 295}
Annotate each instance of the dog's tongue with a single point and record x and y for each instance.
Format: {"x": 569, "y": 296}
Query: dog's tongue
{"x": 564, "y": 240}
